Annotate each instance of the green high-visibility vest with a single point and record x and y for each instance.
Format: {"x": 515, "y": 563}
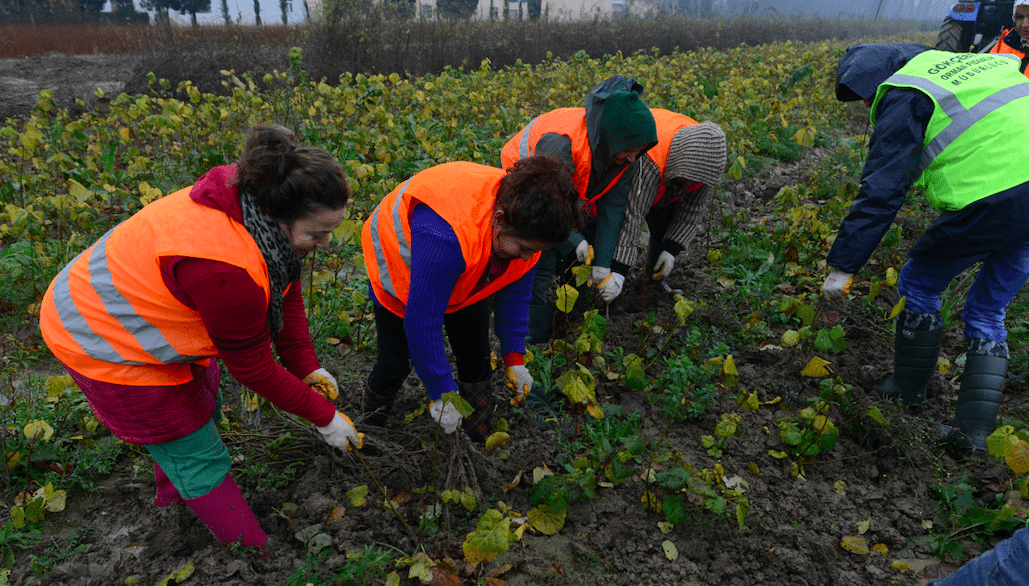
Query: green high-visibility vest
{"x": 976, "y": 143}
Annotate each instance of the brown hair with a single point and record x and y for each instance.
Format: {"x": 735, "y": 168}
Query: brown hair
{"x": 287, "y": 181}
{"x": 539, "y": 199}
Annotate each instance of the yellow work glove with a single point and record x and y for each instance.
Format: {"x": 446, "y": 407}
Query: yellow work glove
{"x": 341, "y": 433}
{"x": 323, "y": 383}
{"x": 837, "y": 284}
{"x": 519, "y": 381}
{"x": 584, "y": 252}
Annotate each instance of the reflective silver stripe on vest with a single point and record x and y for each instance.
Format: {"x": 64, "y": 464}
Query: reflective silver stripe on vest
{"x": 74, "y": 322}
{"x": 961, "y": 118}
{"x": 117, "y": 306}
{"x": 523, "y": 145}
{"x": 404, "y": 247}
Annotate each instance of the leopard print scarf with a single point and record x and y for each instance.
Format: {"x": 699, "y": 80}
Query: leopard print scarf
{"x": 283, "y": 264}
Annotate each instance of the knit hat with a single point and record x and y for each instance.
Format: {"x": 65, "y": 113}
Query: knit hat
{"x": 697, "y": 153}
{"x": 627, "y": 122}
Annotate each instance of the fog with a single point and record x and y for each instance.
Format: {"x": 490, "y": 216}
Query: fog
{"x": 932, "y": 10}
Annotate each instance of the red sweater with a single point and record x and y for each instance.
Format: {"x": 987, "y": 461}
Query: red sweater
{"x": 233, "y": 310}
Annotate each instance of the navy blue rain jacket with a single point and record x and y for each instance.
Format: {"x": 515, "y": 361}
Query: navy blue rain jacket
{"x": 994, "y": 223}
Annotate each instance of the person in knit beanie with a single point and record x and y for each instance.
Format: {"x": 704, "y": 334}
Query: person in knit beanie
{"x": 601, "y": 142}
{"x": 671, "y": 185}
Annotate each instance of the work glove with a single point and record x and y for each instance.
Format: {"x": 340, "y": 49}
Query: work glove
{"x": 664, "y": 265}
{"x": 323, "y": 383}
{"x": 584, "y": 252}
{"x": 837, "y": 284}
{"x": 340, "y": 433}
{"x": 519, "y": 381}
{"x": 609, "y": 284}
{"x": 599, "y": 276}
{"x": 445, "y": 414}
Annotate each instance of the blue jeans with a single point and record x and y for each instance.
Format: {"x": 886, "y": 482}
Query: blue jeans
{"x": 923, "y": 280}
{"x": 1005, "y": 565}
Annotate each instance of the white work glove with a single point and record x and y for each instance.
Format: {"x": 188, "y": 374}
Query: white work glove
{"x": 519, "y": 381}
{"x": 612, "y": 287}
{"x": 445, "y": 414}
{"x": 323, "y": 383}
{"x": 664, "y": 265}
{"x": 599, "y": 276}
{"x": 584, "y": 252}
{"x": 340, "y": 433}
{"x": 837, "y": 284}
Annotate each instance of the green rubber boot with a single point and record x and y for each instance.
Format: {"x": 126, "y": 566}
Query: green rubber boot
{"x": 916, "y": 349}
{"x": 982, "y": 389}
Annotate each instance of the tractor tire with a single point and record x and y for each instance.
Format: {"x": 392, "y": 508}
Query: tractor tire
{"x": 950, "y": 35}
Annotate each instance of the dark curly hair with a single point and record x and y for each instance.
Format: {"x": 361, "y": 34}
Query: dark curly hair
{"x": 288, "y": 181}
{"x": 539, "y": 199}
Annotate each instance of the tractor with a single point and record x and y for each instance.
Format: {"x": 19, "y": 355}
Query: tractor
{"x": 974, "y": 27}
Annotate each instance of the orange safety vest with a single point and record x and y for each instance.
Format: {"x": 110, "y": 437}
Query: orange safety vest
{"x": 668, "y": 123}
{"x": 570, "y": 122}
{"x": 1002, "y": 47}
{"x": 108, "y": 314}
{"x": 463, "y": 194}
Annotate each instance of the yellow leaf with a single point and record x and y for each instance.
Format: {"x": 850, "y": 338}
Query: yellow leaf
{"x": 79, "y": 192}
{"x": 124, "y": 134}
{"x": 891, "y": 277}
{"x": 752, "y": 466}
{"x": 790, "y": 338}
{"x": 515, "y": 482}
{"x": 881, "y": 548}
{"x": 490, "y": 538}
{"x": 898, "y": 308}
{"x": 816, "y": 367}
{"x": 358, "y": 495}
{"x": 336, "y": 514}
{"x": 665, "y": 527}
{"x": 540, "y": 472}
{"x": 38, "y": 429}
{"x": 729, "y": 366}
{"x": 876, "y": 415}
{"x": 671, "y": 552}
{"x": 943, "y": 364}
{"x": 595, "y": 410}
{"x": 855, "y": 544}
{"x": 901, "y": 566}
{"x": 566, "y": 297}
{"x": 726, "y": 281}
{"x": 179, "y": 576}
{"x": 862, "y": 527}
{"x": 55, "y": 503}
{"x": 1018, "y": 460}
{"x": 392, "y": 579}
{"x": 496, "y": 440}
{"x": 841, "y": 488}
{"x": 546, "y": 520}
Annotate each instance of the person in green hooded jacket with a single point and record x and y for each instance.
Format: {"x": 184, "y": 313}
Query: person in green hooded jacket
{"x": 602, "y": 142}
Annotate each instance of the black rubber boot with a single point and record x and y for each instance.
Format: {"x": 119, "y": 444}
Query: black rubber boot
{"x": 540, "y": 317}
{"x": 916, "y": 349}
{"x": 375, "y": 408}
{"x": 480, "y": 396}
{"x": 982, "y": 389}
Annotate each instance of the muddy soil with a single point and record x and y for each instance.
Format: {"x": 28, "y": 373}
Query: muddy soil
{"x": 880, "y": 476}
{"x": 68, "y": 77}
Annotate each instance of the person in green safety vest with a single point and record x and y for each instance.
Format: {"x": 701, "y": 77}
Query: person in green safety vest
{"x": 951, "y": 124}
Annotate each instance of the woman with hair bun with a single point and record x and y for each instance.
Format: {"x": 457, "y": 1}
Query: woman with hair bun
{"x": 436, "y": 249}
{"x": 210, "y": 271}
